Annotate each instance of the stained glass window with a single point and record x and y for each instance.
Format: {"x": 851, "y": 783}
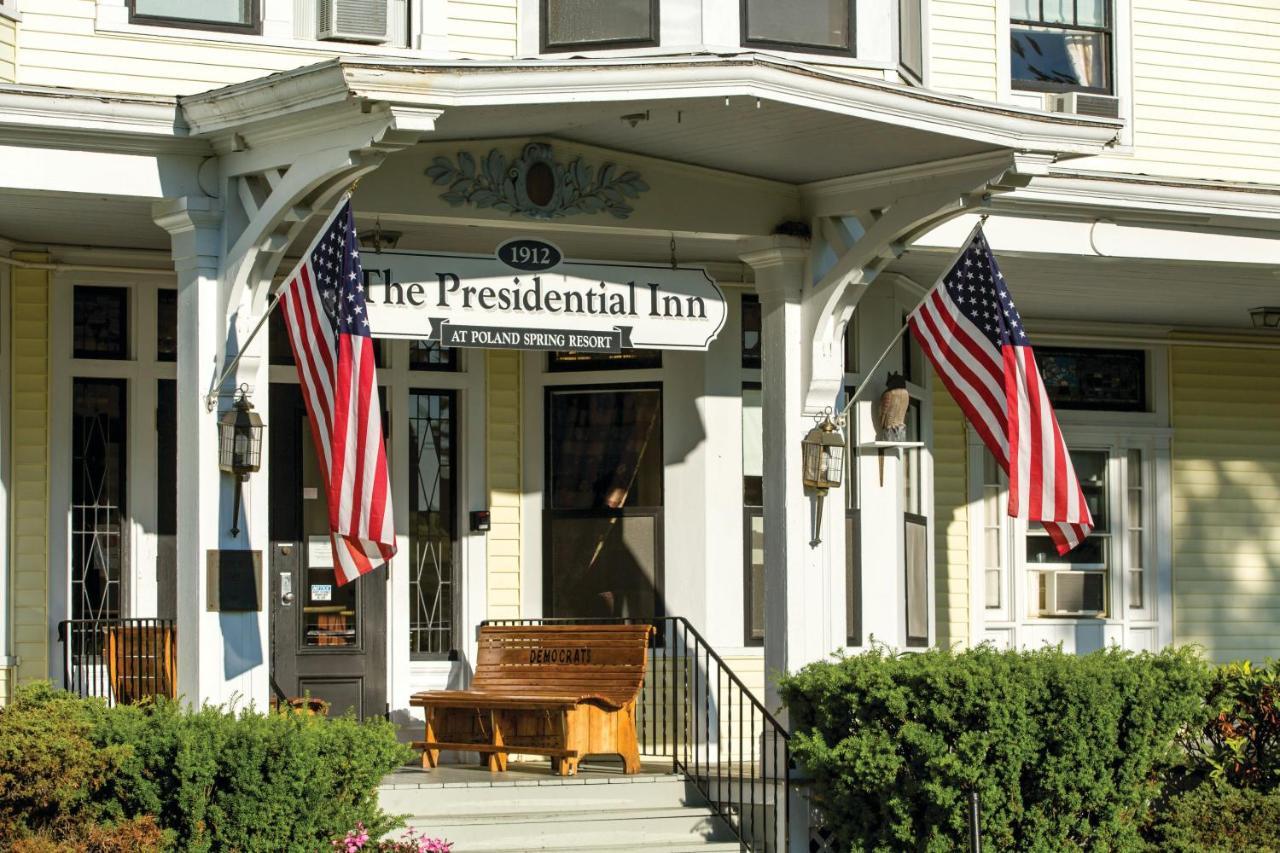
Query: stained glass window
{"x": 433, "y": 522}
{"x": 101, "y": 322}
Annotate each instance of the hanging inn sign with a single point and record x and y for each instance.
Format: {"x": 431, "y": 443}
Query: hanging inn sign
{"x": 526, "y": 296}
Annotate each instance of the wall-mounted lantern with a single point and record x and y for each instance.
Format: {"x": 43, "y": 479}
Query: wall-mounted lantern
{"x": 823, "y": 464}
{"x": 239, "y": 446}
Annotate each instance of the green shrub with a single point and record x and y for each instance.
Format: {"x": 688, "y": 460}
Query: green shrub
{"x": 215, "y": 780}
{"x": 1240, "y": 745}
{"x": 1219, "y": 818}
{"x": 1066, "y": 752}
{"x": 51, "y": 772}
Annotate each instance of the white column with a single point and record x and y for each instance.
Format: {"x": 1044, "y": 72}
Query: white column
{"x": 880, "y": 482}
{"x": 222, "y": 657}
{"x": 801, "y": 596}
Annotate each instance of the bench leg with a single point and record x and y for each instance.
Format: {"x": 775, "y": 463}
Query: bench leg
{"x": 497, "y": 760}
{"x": 628, "y": 747}
{"x": 430, "y": 757}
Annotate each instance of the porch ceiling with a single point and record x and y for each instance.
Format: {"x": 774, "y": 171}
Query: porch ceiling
{"x": 42, "y": 218}
{"x": 745, "y": 135}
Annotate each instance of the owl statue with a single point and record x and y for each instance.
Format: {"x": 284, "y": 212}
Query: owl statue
{"x": 892, "y": 419}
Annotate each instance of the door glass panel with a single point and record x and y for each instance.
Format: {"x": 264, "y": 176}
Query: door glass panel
{"x": 432, "y": 522}
{"x": 606, "y": 449}
{"x": 604, "y": 522}
{"x": 330, "y": 613}
{"x": 97, "y": 497}
{"x": 604, "y": 566}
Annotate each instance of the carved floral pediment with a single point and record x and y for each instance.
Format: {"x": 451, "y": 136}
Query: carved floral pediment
{"x": 536, "y": 185}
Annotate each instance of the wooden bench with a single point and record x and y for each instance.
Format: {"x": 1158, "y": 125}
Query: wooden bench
{"x": 142, "y": 662}
{"x": 563, "y": 691}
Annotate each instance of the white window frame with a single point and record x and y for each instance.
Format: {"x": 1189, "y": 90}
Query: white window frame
{"x": 716, "y": 25}
{"x": 1014, "y": 624}
{"x": 141, "y": 372}
{"x": 1122, "y": 70}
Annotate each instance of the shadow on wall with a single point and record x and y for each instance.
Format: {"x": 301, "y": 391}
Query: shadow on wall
{"x": 1226, "y": 501}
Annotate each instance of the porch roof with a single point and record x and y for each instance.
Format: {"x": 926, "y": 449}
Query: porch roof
{"x": 789, "y": 121}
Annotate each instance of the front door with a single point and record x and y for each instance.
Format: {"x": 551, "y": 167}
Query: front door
{"x": 327, "y": 641}
{"x": 603, "y": 521}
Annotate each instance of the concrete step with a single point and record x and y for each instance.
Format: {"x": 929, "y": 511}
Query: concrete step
{"x": 600, "y": 811}
{"x": 585, "y": 829}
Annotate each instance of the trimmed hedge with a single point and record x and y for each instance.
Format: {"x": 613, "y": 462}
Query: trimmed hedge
{"x": 212, "y": 780}
{"x": 1066, "y": 752}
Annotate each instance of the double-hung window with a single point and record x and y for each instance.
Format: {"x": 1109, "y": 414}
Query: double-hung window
{"x": 811, "y": 26}
{"x": 598, "y": 25}
{"x": 1061, "y": 45}
{"x": 229, "y": 15}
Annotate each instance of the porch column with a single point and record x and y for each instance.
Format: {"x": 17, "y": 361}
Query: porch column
{"x": 221, "y": 656}
{"x": 797, "y": 575}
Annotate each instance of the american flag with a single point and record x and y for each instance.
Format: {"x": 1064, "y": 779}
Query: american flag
{"x": 969, "y": 328}
{"x": 324, "y": 311}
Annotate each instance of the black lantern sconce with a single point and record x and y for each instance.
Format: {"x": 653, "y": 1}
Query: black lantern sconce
{"x": 823, "y": 463}
{"x": 239, "y": 447}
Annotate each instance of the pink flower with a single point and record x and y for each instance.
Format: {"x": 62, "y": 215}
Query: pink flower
{"x": 354, "y": 840}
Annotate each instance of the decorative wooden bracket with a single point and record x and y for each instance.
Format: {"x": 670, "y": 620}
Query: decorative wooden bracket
{"x": 865, "y": 228}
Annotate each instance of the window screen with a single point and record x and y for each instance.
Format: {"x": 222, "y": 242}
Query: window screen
{"x": 210, "y": 14}
{"x": 819, "y": 25}
{"x": 587, "y": 24}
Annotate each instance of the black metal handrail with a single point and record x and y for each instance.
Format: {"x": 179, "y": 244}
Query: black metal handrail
{"x": 697, "y": 711}
{"x": 119, "y": 660}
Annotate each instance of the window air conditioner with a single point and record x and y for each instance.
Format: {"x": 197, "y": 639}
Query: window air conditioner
{"x": 1072, "y": 593}
{"x": 1083, "y": 103}
{"x": 352, "y": 20}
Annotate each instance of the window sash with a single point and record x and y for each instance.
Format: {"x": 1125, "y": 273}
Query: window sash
{"x": 253, "y": 26}
{"x": 851, "y": 49}
{"x": 607, "y": 43}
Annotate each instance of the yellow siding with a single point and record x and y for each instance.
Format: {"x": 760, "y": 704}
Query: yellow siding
{"x": 951, "y": 519}
{"x": 1207, "y": 87}
{"x": 5, "y": 689}
{"x": 963, "y": 40}
{"x": 1226, "y": 501}
{"x": 29, "y": 498}
{"x": 8, "y": 50}
{"x": 502, "y": 452}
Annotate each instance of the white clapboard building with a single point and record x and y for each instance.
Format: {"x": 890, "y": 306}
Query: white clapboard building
{"x": 621, "y": 256}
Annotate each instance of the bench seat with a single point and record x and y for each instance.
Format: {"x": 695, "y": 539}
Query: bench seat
{"x": 563, "y": 691}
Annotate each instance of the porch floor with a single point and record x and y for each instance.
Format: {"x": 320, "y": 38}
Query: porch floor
{"x": 522, "y": 773}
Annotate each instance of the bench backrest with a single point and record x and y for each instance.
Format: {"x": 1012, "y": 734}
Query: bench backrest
{"x": 582, "y": 661}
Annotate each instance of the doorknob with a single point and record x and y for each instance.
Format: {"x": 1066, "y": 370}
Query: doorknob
{"x": 286, "y": 599}
{"x": 286, "y": 588}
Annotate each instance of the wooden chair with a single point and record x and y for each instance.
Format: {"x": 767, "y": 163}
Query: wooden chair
{"x": 142, "y": 662}
{"x": 563, "y": 691}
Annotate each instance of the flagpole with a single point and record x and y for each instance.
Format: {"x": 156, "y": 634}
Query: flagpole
{"x": 211, "y": 399}
{"x": 862, "y": 386}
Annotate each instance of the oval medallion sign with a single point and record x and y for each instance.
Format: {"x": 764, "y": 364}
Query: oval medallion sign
{"x": 529, "y": 255}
